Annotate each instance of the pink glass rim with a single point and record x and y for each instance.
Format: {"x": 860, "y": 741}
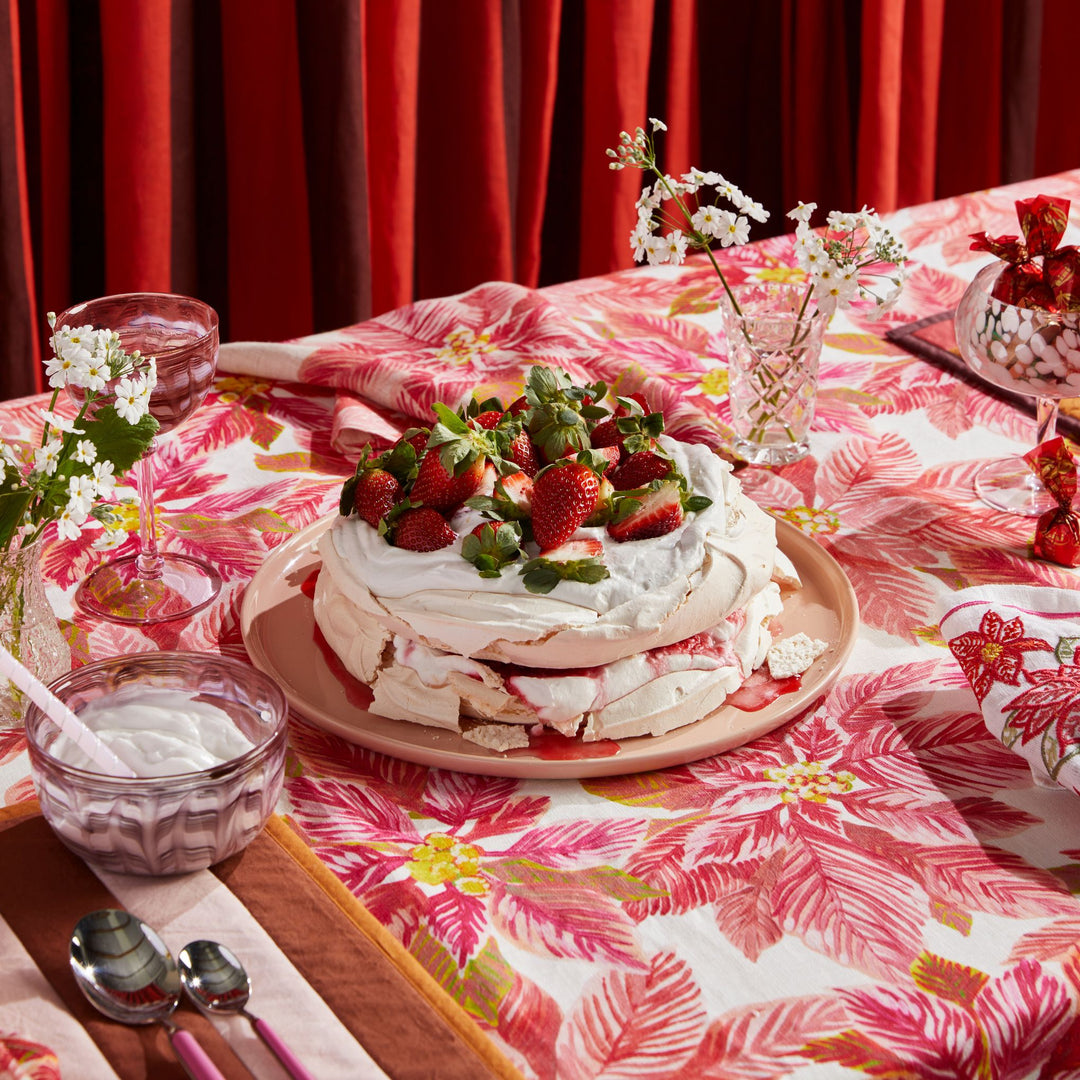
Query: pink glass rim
{"x": 94, "y": 312}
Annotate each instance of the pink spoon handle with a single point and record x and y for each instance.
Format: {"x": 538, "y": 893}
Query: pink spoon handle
{"x": 193, "y": 1057}
{"x": 281, "y": 1051}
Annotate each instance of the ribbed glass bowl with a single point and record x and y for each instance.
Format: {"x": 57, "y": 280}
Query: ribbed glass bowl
{"x": 167, "y": 824}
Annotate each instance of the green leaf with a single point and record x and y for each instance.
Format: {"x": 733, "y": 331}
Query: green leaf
{"x": 13, "y": 505}
{"x": 117, "y": 440}
{"x": 450, "y": 419}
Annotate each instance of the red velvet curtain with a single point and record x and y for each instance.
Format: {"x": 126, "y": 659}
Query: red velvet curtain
{"x": 302, "y": 165}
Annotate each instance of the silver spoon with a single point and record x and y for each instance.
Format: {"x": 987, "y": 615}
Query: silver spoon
{"x": 217, "y": 982}
{"x": 125, "y": 971}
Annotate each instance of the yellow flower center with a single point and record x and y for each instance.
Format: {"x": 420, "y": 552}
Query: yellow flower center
{"x": 715, "y": 382}
{"x": 462, "y": 345}
{"x": 812, "y": 519}
{"x": 810, "y": 781}
{"x": 991, "y": 651}
{"x": 445, "y": 860}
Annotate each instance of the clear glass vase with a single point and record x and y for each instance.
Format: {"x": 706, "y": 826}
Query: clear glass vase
{"x": 774, "y": 344}
{"x": 28, "y": 627}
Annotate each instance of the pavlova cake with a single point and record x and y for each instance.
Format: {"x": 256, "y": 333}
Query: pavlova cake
{"x": 558, "y": 562}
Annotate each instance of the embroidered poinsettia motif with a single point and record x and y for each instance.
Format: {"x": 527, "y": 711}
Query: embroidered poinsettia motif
{"x": 995, "y": 652}
{"x": 1051, "y": 702}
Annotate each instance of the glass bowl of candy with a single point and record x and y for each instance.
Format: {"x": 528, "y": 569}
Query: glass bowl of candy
{"x": 205, "y": 736}
{"x": 1029, "y": 351}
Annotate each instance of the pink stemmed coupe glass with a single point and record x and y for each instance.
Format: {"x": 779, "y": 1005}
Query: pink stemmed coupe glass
{"x": 182, "y": 334}
{"x": 1028, "y": 351}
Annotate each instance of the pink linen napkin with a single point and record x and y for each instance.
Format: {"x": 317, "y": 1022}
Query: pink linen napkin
{"x": 389, "y": 370}
{"x": 1019, "y": 647}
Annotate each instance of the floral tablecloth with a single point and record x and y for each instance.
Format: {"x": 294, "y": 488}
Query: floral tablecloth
{"x": 878, "y": 888}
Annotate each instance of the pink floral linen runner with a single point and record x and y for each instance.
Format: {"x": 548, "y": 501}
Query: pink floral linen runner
{"x": 389, "y": 370}
{"x": 1020, "y": 649}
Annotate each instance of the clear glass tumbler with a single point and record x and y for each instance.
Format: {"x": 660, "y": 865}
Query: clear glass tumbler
{"x": 774, "y": 343}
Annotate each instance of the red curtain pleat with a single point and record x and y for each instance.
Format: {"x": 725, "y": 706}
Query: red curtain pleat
{"x": 539, "y": 77}
{"x": 463, "y": 205}
{"x": 923, "y": 23}
{"x": 391, "y": 80}
{"x": 815, "y": 107}
{"x": 1057, "y": 143}
{"x": 138, "y": 188}
{"x": 17, "y": 302}
{"x": 969, "y": 118}
{"x": 880, "y": 104}
{"x": 269, "y": 248}
{"x": 682, "y": 111}
{"x": 55, "y": 195}
{"x": 615, "y": 98}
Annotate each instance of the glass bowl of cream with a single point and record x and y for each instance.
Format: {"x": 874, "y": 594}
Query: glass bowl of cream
{"x": 205, "y": 736}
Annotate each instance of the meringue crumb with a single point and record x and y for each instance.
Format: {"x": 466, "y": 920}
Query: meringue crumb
{"x": 498, "y": 737}
{"x": 793, "y": 655}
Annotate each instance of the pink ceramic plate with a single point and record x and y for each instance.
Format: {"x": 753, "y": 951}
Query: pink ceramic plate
{"x": 278, "y": 628}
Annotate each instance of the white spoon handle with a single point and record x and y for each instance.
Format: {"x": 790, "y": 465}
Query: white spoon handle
{"x": 287, "y": 1058}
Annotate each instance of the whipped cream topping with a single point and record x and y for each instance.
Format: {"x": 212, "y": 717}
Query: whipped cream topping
{"x": 659, "y": 591}
{"x": 157, "y": 732}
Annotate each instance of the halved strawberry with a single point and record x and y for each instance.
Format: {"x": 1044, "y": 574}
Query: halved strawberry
{"x": 640, "y": 470}
{"x": 523, "y": 453}
{"x": 583, "y": 547}
{"x": 375, "y": 493}
{"x": 422, "y": 528}
{"x": 575, "y": 560}
{"x": 564, "y": 495}
{"x": 442, "y": 490}
{"x": 657, "y": 512}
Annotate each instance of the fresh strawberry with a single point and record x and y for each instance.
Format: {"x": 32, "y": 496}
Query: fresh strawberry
{"x": 422, "y": 528}
{"x": 564, "y": 495}
{"x": 654, "y": 514}
{"x": 375, "y": 493}
{"x": 584, "y": 547}
{"x": 605, "y": 434}
{"x": 575, "y": 560}
{"x": 523, "y": 454}
{"x": 440, "y": 489}
{"x": 604, "y": 508}
{"x": 518, "y": 488}
{"x": 639, "y": 470}
{"x": 416, "y": 438}
{"x": 636, "y": 396}
{"x": 599, "y": 459}
{"x": 491, "y": 545}
{"x": 518, "y": 406}
{"x": 488, "y": 419}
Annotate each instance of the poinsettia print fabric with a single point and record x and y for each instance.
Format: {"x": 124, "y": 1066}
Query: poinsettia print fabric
{"x": 878, "y": 888}
{"x": 1020, "y": 650}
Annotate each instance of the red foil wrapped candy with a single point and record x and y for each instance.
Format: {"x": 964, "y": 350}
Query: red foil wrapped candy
{"x": 1037, "y": 274}
{"x": 1057, "y": 533}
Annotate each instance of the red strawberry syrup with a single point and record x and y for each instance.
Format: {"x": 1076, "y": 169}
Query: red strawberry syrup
{"x": 549, "y": 745}
{"x": 762, "y": 689}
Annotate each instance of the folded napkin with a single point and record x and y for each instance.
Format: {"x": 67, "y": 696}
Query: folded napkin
{"x": 391, "y": 369}
{"x": 342, "y": 992}
{"x": 1019, "y": 647}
